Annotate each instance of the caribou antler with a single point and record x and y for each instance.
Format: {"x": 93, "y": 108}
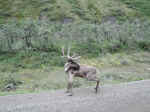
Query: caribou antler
{"x": 63, "y": 52}
{"x": 76, "y": 58}
{"x": 68, "y": 54}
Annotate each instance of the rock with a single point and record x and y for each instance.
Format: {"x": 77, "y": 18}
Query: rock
{"x": 67, "y": 20}
{"x": 124, "y": 62}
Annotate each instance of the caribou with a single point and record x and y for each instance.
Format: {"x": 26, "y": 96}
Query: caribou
{"x": 74, "y": 69}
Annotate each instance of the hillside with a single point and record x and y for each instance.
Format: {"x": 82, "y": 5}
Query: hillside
{"x": 95, "y": 10}
{"x": 112, "y": 35}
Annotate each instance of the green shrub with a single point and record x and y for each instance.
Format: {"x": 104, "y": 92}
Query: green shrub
{"x": 90, "y": 47}
{"x": 142, "y": 6}
{"x": 145, "y": 45}
{"x": 34, "y": 38}
{"x": 7, "y": 79}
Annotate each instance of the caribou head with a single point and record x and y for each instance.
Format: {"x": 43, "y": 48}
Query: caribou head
{"x": 71, "y": 63}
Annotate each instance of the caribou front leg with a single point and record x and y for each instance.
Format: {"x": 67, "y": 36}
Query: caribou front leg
{"x": 70, "y": 83}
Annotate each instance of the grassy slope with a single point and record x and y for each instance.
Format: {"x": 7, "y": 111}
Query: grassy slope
{"x": 60, "y": 9}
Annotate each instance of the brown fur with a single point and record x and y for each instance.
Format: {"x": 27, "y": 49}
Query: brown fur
{"x": 83, "y": 71}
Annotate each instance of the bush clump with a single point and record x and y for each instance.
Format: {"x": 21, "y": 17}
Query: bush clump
{"x": 35, "y": 37}
{"x": 9, "y": 82}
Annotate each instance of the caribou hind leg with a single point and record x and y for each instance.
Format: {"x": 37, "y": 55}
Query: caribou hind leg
{"x": 92, "y": 77}
{"x": 97, "y": 85}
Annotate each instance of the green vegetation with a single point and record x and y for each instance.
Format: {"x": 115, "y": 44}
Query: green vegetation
{"x": 31, "y": 51}
{"x": 33, "y": 36}
{"x": 106, "y": 33}
{"x": 143, "y": 6}
{"x": 95, "y": 10}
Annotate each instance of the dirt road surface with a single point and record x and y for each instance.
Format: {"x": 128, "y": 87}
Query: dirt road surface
{"x": 125, "y": 97}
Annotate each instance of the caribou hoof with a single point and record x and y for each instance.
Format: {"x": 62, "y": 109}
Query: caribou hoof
{"x": 70, "y": 94}
{"x": 96, "y": 90}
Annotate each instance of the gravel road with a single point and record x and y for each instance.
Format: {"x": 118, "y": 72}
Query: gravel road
{"x": 125, "y": 97}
